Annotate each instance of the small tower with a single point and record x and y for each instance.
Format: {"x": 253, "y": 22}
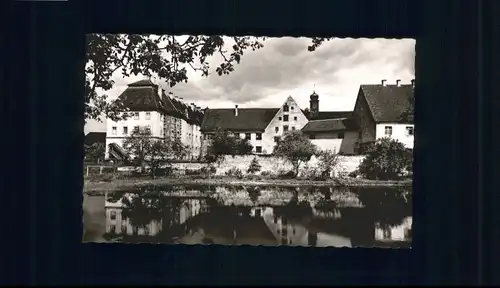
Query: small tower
{"x": 314, "y": 105}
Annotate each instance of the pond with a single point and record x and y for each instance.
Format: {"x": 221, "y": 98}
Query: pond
{"x": 306, "y": 216}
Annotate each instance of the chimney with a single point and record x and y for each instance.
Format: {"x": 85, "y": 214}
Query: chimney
{"x": 235, "y": 110}
{"x": 398, "y": 83}
{"x": 383, "y": 82}
{"x": 413, "y": 83}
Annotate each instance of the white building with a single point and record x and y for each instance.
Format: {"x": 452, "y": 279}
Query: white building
{"x": 380, "y": 112}
{"x": 332, "y": 130}
{"x": 261, "y": 126}
{"x": 164, "y": 115}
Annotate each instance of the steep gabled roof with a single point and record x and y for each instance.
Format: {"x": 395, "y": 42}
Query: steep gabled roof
{"x": 176, "y": 108}
{"x": 387, "y": 103}
{"x": 330, "y": 125}
{"x": 323, "y": 115}
{"x": 248, "y": 119}
{"x": 95, "y": 137}
{"x": 141, "y": 96}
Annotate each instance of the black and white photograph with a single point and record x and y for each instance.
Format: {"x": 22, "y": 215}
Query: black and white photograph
{"x": 245, "y": 140}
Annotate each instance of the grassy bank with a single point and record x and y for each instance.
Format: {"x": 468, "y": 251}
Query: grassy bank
{"x": 127, "y": 184}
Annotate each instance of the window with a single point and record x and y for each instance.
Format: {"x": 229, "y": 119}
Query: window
{"x": 291, "y": 107}
{"x": 148, "y": 115}
{"x": 112, "y": 215}
{"x": 146, "y": 230}
{"x": 285, "y": 118}
{"x": 279, "y": 118}
{"x": 340, "y": 136}
{"x": 124, "y": 228}
{"x": 136, "y": 128}
{"x": 113, "y": 130}
{"x": 285, "y": 128}
{"x": 409, "y": 131}
{"x": 148, "y": 128}
{"x": 276, "y": 129}
{"x": 258, "y": 149}
{"x": 125, "y": 130}
{"x": 293, "y": 128}
{"x": 112, "y": 228}
{"x": 388, "y": 130}
{"x": 236, "y": 135}
{"x": 312, "y": 136}
{"x": 258, "y": 136}
{"x": 359, "y": 135}
{"x": 136, "y": 116}
{"x": 294, "y": 118}
{"x": 276, "y": 139}
{"x": 248, "y": 136}
{"x": 285, "y": 108}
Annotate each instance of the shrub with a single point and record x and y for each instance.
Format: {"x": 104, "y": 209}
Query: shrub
{"x": 266, "y": 173}
{"x": 313, "y": 174}
{"x": 387, "y": 159}
{"x": 354, "y": 174}
{"x": 193, "y": 171}
{"x": 284, "y": 174}
{"x": 327, "y": 161}
{"x": 234, "y": 172}
{"x": 254, "y": 166}
{"x": 209, "y": 169}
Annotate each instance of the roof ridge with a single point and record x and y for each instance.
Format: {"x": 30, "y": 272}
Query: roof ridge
{"x": 316, "y": 120}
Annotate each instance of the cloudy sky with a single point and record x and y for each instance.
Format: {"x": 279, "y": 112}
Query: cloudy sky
{"x": 266, "y": 77}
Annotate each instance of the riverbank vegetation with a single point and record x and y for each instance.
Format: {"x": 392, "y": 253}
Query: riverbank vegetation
{"x": 387, "y": 163}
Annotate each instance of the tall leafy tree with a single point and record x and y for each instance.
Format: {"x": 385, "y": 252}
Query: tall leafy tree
{"x": 296, "y": 148}
{"x": 95, "y": 152}
{"x": 152, "y": 152}
{"x": 163, "y": 56}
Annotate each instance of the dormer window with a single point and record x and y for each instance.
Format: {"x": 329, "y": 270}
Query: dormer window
{"x": 285, "y": 108}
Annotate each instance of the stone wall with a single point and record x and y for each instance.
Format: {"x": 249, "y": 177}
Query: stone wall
{"x": 346, "y": 164}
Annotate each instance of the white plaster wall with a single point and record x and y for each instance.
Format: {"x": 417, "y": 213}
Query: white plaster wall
{"x": 331, "y": 141}
{"x": 267, "y": 142}
{"x": 154, "y": 122}
{"x": 398, "y": 132}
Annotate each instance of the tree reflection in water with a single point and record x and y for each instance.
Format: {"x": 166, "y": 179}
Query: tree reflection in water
{"x": 382, "y": 208}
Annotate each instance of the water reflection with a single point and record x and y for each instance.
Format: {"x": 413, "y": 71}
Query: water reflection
{"x": 261, "y": 216}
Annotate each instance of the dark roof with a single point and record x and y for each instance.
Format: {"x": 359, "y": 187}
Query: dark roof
{"x": 330, "y": 125}
{"x": 176, "y": 108}
{"x": 95, "y": 137}
{"x": 248, "y": 119}
{"x": 323, "y": 115}
{"x": 145, "y": 82}
{"x": 387, "y": 103}
{"x": 141, "y": 96}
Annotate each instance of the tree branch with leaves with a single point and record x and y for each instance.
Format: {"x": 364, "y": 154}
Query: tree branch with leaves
{"x": 162, "y": 56}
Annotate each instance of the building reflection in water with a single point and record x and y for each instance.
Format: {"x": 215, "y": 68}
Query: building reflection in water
{"x": 118, "y": 223}
{"x": 204, "y": 221}
{"x": 402, "y": 232}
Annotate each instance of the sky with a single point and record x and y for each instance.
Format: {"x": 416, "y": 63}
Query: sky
{"x": 284, "y": 67}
